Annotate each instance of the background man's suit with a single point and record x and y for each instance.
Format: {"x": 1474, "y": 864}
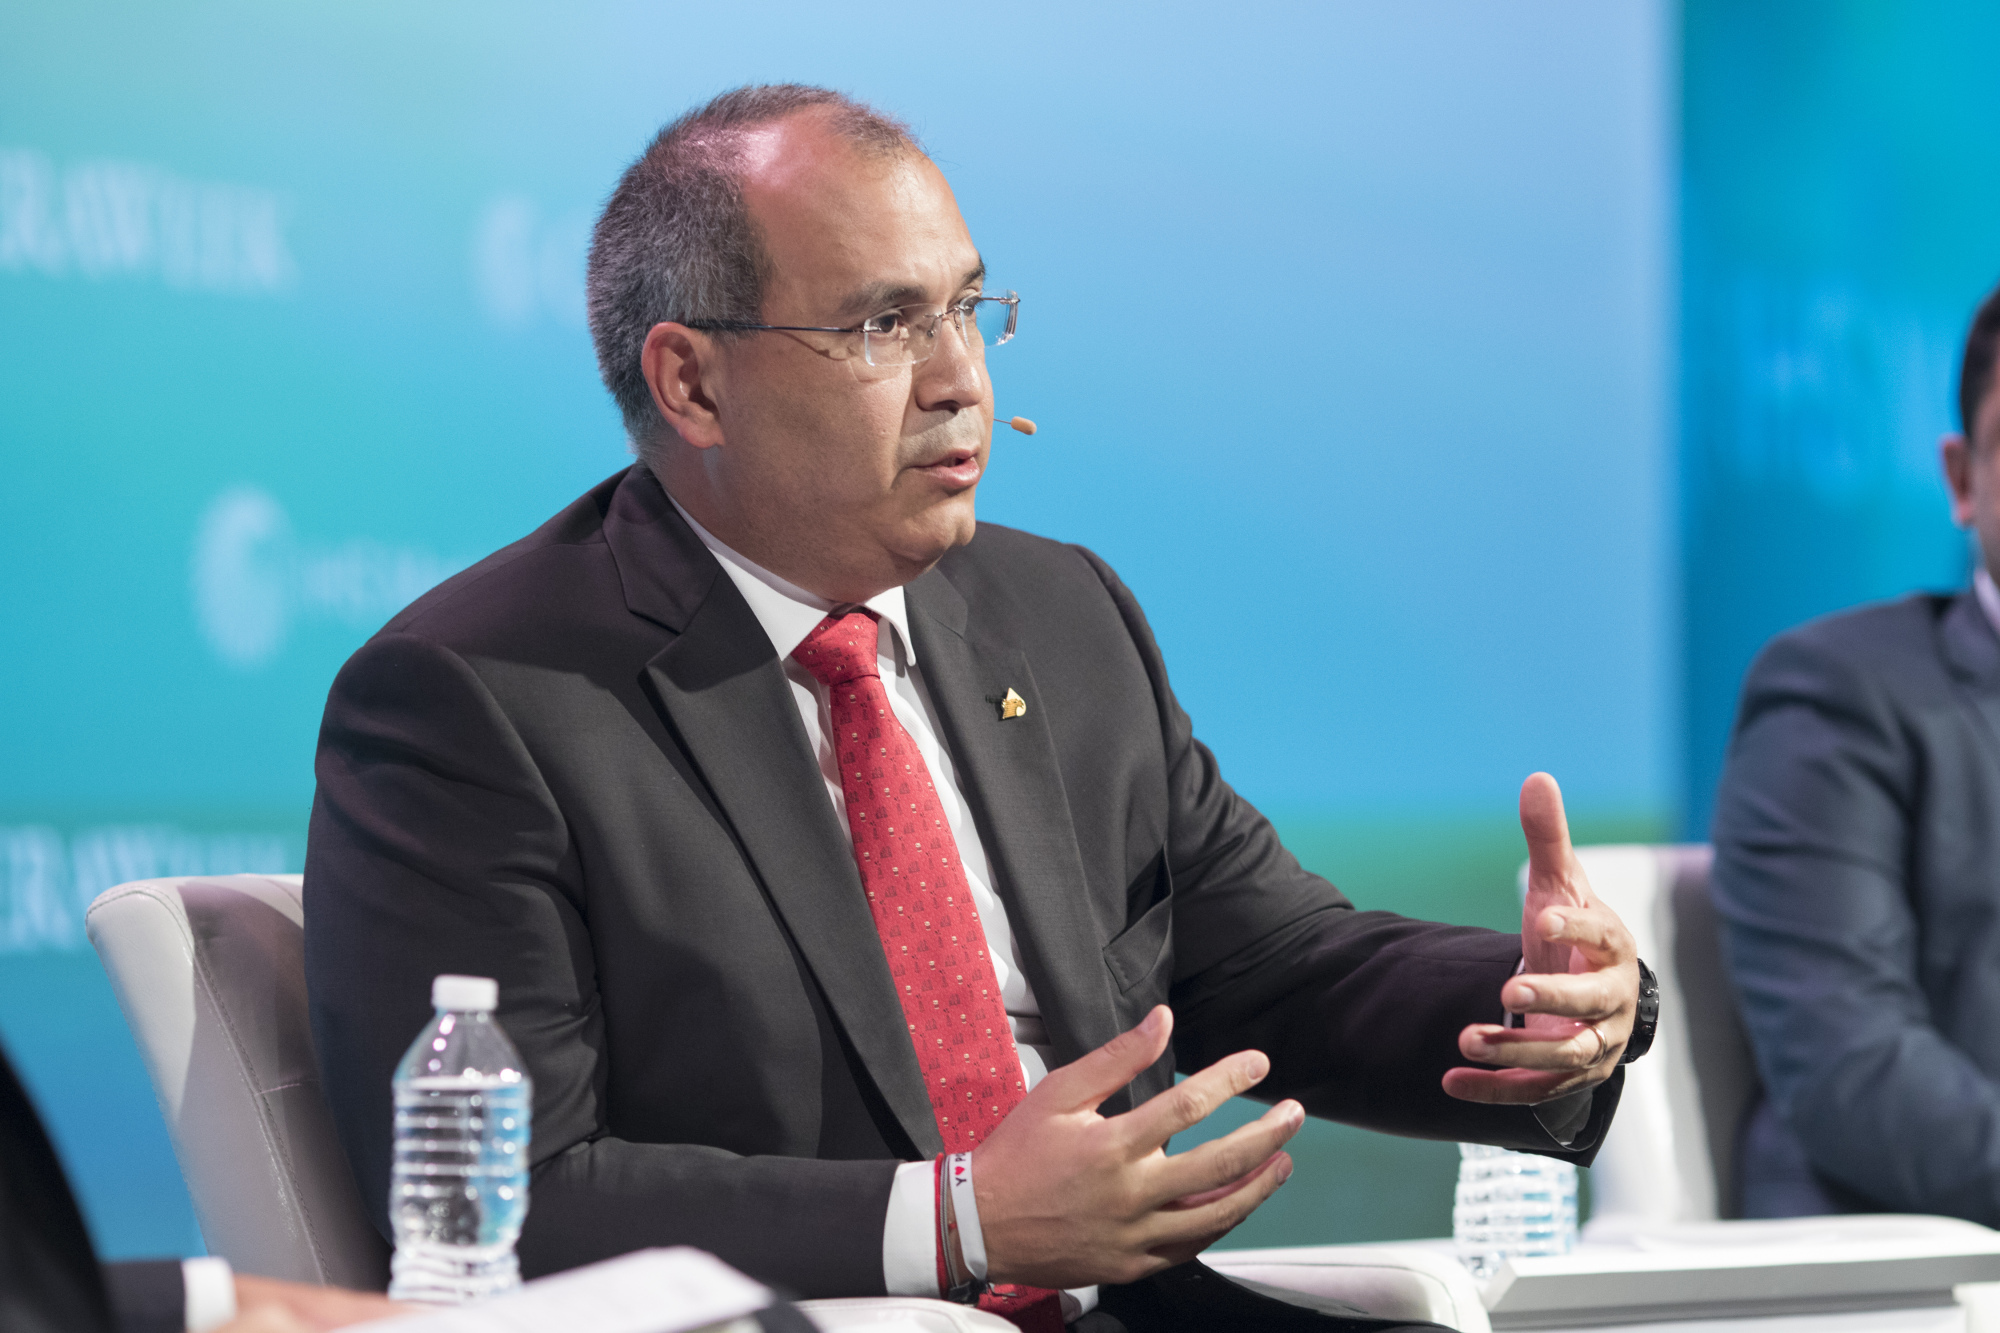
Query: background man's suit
{"x": 1857, "y": 837}
{"x": 50, "y": 1280}
{"x": 575, "y": 767}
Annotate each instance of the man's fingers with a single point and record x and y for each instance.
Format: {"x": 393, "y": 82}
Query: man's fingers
{"x": 1589, "y": 996}
{"x": 1082, "y": 1084}
{"x": 1222, "y": 1191}
{"x": 1551, "y": 862}
{"x": 1219, "y": 1191}
{"x": 1593, "y": 930}
{"x": 1510, "y": 1087}
{"x": 266, "y": 1319}
{"x": 320, "y": 1307}
{"x": 1218, "y": 1165}
{"x": 1170, "y": 1227}
{"x": 1571, "y": 1046}
{"x": 1555, "y": 878}
{"x": 1190, "y": 1101}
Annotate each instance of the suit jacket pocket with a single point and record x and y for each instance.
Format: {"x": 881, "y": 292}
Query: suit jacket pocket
{"x": 1143, "y": 952}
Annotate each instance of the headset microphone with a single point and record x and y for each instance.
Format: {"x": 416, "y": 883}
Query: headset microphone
{"x": 1022, "y": 424}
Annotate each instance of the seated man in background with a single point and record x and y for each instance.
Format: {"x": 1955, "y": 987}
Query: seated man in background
{"x": 1857, "y": 872}
{"x": 837, "y": 859}
{"x": 51, "y": 1281}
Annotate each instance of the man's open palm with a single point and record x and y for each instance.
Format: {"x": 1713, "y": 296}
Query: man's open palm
{"x": 1068, "y": 1198}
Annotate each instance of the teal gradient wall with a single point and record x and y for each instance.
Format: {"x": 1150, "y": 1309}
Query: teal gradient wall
{"x": 1347, "y": 327}
{"x": 1840, "y": 177}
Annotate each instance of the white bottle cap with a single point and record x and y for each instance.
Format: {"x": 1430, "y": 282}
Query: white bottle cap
{"x": 479, "y": 994}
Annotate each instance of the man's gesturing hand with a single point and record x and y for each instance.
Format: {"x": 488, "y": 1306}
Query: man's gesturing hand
{"x": 1579, "y": 990}
{"x": 1068, "y": 1198}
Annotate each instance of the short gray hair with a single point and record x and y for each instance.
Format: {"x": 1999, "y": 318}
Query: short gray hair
{"x": 676, "y": 241}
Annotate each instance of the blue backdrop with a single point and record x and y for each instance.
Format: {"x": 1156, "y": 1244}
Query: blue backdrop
{"x": 1840, "y": 179}
{"x": 1346, "y": 326}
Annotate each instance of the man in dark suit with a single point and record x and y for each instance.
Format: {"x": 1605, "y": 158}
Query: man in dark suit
{"x": 51, "y": 1281}
{"x": 1857, "y": 871}
{"x": 837, "y": 859}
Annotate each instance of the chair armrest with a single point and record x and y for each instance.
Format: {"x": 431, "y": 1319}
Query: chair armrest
{"x": 1415, "y": 1281}
{"x": 902, "y": 1314}
{"x": 1419, "y": 1282}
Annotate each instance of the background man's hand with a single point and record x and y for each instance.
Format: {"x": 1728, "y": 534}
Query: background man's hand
{"x": 1068, "y": 1198}
{"x": 266, "y": 1319}
{"x": 1579, "y": 990}
{"x": 286, "y": 1305}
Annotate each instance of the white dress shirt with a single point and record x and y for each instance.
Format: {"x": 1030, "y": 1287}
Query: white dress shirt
{"x": 208, "y": 1287}
{"x": 788, "y": 614}
{"x": 1989, "y": 595}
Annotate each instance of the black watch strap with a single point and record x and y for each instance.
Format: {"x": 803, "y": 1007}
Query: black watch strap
{"x": 1647, "y": 1022}
{"x": 967, "y": 1292}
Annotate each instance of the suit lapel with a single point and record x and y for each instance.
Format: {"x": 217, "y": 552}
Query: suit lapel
{"x": 1015, "y": 787}
{"x": 725, "y": 697}
{"x": 1972, "y": 647}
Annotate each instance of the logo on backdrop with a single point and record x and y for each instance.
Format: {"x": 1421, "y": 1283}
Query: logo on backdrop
{"x": 47, "y": 880}
{"x": 1828, "y": 386}
{"x": 254, "y": 581}
{"x": 528, "y": 268}
{"x": 108, "y": 219}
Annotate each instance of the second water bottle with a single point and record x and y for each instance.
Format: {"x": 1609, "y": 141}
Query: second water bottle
{"x": 1509, "y": 1205}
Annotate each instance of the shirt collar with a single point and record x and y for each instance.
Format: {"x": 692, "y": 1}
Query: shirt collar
{"x": 1989, "y": 595}
{"x": 786, "y": 611}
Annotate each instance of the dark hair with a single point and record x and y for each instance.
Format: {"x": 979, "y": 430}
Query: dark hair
{"x": 1975, "y": 376}
{"x": 675, "y": 241}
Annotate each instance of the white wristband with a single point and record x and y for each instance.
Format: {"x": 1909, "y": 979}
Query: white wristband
{"x": 965, "y": 1209}
{"x": 209, "y": 1293}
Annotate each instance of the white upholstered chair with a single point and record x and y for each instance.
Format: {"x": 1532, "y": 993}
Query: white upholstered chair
{"x": 1414, "y": 1282}
{"x": 210, "y": 973}
{"x": 1670, "y": 1155}
{"x": 211, "y": 976}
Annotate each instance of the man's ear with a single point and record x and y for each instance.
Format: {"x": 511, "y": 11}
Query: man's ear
{"x": 1956, "y": 455}
{"x": 683, "y": 371}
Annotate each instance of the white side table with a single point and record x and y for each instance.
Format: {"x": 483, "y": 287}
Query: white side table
{"x": 1857, "y": 1274}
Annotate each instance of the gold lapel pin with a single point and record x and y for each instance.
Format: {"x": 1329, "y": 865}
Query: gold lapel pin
{"x": 1012, "y": 705}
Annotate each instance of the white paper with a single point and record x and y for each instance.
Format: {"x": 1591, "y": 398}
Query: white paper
{"x": 649, "y": 1291}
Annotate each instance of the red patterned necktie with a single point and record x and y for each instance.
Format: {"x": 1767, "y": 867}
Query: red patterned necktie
{"x": 923, "y": 910}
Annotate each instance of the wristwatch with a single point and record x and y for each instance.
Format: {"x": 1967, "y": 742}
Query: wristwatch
{"x": 1648, "y": 1020}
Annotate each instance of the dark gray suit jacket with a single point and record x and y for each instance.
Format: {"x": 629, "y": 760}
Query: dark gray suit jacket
{"x": 1857, "y": 871}
{"x": 50, "y": 1280}
{"x": 576, "y": 767}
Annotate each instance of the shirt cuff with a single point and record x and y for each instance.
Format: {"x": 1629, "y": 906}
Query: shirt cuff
{"x": 909, "y": 1233}
{"x": 211, "y": 1293}
{"x": 1565, "y": 1117}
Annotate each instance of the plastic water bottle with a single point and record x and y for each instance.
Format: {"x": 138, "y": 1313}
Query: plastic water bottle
{"x": 459, "y": 1187}
{"x": 1511, "y": 1204}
